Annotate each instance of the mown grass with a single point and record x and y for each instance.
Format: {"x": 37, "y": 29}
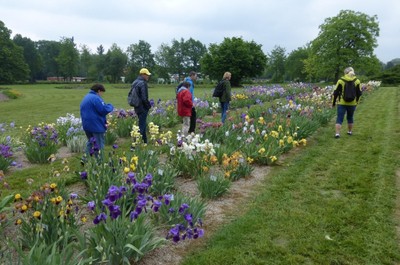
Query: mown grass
{"x": 331, "y": 203}
{"x": 47, "y": 102}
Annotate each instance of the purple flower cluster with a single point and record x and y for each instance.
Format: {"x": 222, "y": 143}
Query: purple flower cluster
{"x": 190, "y": 230}
{"x": 95, "y": 148}
{"x": 138, "y": 189}
{"x": 5, "y": 151}
{"x": 44, "y": 135}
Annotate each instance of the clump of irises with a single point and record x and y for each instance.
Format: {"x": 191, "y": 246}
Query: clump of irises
{"x": 133, "y": 200}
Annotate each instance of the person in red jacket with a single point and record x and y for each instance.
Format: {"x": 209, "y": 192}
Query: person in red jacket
{"x": 185, "y": 104}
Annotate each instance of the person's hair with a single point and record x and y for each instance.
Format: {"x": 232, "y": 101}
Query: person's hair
{"x": 192, "y": 73}
{"x": 226, "y": 75}
{"x": 348, "y": 70}
{"x": 98, "y": 87}
{"x": 186, "y": 84}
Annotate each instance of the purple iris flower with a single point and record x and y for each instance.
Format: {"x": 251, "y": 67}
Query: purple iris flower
{"x": 84, "y": 175}
{"x": 115, "y": 211}
{"x": 167, "y": 199}
{"x": 99, "y": 218}
{"x": 156, "y": 206}
{"x": 91, "y": 205}
{"x": 148, "y": 179}
{"x": 107, "y": 202}
{"x": 183, "y": 208}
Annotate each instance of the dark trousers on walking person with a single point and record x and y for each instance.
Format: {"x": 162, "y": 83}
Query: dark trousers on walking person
{"x": 143, "y": 125}
{"x": 224, "y": 109}
{"x": 193, "y": 118}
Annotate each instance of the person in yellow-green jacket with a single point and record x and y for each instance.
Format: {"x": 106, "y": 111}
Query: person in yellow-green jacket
{"x": 348, "y": 91}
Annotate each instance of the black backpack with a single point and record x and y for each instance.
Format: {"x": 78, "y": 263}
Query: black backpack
{"x": 349, "y": 91}
{"x": 219, "y": 89}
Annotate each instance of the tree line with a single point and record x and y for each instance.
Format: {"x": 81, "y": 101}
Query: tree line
{"x": 346, "y": 39}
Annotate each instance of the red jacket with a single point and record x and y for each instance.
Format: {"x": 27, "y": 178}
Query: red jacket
{"x": 185, "y": 103}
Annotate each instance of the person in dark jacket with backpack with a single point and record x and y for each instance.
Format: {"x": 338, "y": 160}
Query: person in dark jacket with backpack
{"x": 143, "y": 107}
{"x": 226, "y": 95}
{"x": 185, "y": 104}
{"x": 348, "y": 90}
{"x": 93, "y": 114}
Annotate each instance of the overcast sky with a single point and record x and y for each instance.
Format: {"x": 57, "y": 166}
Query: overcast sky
{"x": 286, "y": 23}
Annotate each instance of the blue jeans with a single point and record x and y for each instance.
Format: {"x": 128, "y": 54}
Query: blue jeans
{"x": 342, "y": 110}
{"x": 98, "y": 145}
{"x": 143, "y": 125}
{"x": 224, "y": 109}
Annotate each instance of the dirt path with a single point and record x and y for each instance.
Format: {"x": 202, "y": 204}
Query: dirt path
{"x": 217, "y": 213}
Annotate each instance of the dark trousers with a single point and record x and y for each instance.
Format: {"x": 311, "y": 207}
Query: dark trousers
{"x": 193, "y": 118}
{"x": 143, "y": 125}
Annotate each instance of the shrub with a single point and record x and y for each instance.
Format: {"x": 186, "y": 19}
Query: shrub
{"x": 40, "y": 142}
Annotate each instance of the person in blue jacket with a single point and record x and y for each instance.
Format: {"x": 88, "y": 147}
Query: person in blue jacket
{"x": 93, "y": 114}
{"x": 191, "y": 79}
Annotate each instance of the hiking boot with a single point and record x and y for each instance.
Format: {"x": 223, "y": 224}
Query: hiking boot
{"x": 337, "y": 136}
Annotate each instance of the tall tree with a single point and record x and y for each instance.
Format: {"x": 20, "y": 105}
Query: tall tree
{"x": 12, "y": 64}
{"x": 100, "y": 62}
{"x": 193, "y": 51}
{"x": 348, "y": 39}
{"x": 116, "y": 62}
{"x": 49, "y": 52}
{"x": 85, "y": 61}
{"x": 31, "y": 55}
{"x": 243, "y": 59}
{"x": 276, "y": 64}
{"x": 68, "y": 58}
{"x": 295, "y": 68}
{"x": 139, "y": 55}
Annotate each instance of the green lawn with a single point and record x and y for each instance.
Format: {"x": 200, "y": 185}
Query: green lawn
{"x": 332, "y": 203}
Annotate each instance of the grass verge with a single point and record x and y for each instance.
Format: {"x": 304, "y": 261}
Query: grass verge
{"x": 332, "y": 203}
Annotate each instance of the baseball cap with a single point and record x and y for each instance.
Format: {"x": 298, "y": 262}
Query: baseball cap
{"x": 144, "y": 71}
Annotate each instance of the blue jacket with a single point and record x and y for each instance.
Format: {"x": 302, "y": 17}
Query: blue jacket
{"x": 191, "y": 89}
{"x": 94, "y": 112}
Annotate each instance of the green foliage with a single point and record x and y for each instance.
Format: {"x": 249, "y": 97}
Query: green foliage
{"x": 244, "y": 59}
{"x": 347, "y": 39}
{"x": 31, "y": 55}
{"x": 77, "y": 144}
{"x": 40, "y": 143}
{"x": 139, "y": 55}
{"x": 12, "y": 64}
{"x": 276, "y": 64}
{"x": 294, "y": 65}
{"x": 390, "y": 76}
{"x": 68, "y": 58}
{"x": 46, "y": 215}
{"x": 212, "y": 186}
{"x": 121, "y": 241}
{"x": 163, "y": 179}
{"x": 116, "y": 61}
{"x": 170, "y": 215}
{"x": 63, "y": 252}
